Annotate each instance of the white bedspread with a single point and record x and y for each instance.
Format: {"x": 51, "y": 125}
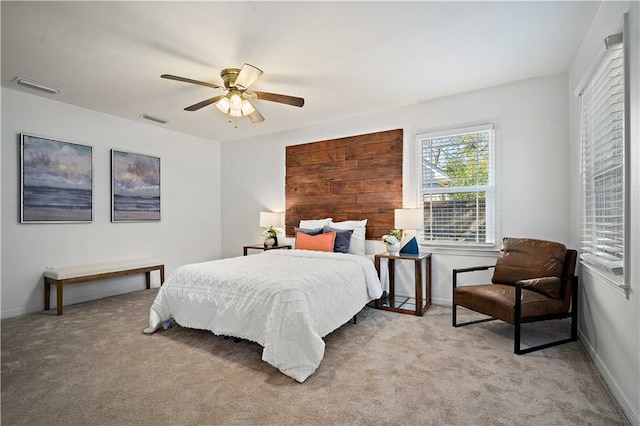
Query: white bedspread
{"x": 285, "y": 300}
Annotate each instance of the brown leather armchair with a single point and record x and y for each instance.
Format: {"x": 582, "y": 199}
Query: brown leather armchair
{"x": 533, "y": 280}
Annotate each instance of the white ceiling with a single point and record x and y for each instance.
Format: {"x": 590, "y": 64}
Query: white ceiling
{"x": 344, "y": 58}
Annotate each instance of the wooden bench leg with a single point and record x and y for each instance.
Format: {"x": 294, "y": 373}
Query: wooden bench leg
{"x": 161, "y": 270}
{"x": 59, "y": 296}
{"x": 47, "y": 294}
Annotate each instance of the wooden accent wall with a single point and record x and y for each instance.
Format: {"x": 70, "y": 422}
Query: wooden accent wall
{"x": 352, "y": 178}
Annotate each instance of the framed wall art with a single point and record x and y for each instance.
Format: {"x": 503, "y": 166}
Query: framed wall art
{"x": 56, "y": 181}
{"x": 135, "y": 187}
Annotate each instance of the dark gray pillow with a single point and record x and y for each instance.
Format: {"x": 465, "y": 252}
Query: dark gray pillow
{"x": 315, "y": 231}
{"x": 343, "y": 239}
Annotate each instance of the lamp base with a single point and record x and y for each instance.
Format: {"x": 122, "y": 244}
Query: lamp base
{"x": 411, "y": 247}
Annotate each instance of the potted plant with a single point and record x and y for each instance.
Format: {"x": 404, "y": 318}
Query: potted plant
{"x": 392, "y": 241}
{"x": 271, "y": 237}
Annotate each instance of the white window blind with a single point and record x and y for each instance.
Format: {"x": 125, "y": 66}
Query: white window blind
{"x": 456, "y": 188}
{"x": 603, "y": 163}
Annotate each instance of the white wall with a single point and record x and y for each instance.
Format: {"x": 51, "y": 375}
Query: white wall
{"x": 533, "y": 132}
{"x": 609, "y": 323}
{"x": 190, "y": 189}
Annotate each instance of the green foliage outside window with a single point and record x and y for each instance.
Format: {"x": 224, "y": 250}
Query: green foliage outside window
{"x": 463, "y": 160}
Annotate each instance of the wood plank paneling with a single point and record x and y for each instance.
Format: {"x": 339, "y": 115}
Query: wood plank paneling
{"x": 352, "y": 178}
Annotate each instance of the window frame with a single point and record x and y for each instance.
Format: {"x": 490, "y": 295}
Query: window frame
{"x": 619, "y": 281}
{"x": 491, "y": 191}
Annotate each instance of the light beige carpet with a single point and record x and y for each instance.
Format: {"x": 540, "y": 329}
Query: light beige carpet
{"x": 94, "y": 366}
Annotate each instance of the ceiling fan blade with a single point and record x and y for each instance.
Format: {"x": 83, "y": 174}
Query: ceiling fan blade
{"x": 188, "y": 80}
{"x": 204, "y": 103}
{"x": 256, "y": 117}
{"x": 283, "y": 99}
{"x": 248, "y": 75}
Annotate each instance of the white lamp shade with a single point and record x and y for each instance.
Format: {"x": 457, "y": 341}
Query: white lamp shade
{"x": 268, "y": 219}
{"x": 409, "y": 218}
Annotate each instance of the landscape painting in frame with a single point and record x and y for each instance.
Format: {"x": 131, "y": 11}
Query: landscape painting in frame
{"x": 135, "y": 187}
{"x": 56, "y": 180}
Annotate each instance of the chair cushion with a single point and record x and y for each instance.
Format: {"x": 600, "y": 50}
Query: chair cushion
{"x": 498, "y": 301}
{"x": 549, "y": 286}
{"x": 526, "y": 258}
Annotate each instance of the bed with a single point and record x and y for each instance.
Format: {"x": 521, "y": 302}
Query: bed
{"x": 285, "y": 300}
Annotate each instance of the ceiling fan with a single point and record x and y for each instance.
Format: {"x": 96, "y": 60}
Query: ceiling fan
{"x": 236, "y": 102}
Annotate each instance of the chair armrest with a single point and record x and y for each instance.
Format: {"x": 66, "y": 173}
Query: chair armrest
{"x": 474, "y": 268}
{"x": 523, "y": 283}
{"x": 567, "y": 278}
{"x": 548, "y": 286}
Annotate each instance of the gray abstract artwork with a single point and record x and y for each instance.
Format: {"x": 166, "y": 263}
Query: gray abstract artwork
{"x": 56, "y": 181}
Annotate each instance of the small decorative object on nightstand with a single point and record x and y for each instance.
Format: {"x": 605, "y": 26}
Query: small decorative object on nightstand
{"x": 407, "y": 305}
{"x": 271, "y": 221}
{"x": 392, "y": 241}
{"x": 270, "y": 242}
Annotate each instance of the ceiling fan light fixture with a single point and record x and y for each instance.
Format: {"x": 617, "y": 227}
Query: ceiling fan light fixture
{"x": 235, "y": 104}
{"x": 235, "y": 112}
{"x": 236, "y": 100}
{"x": 223, "y": 105}
{"x": 247, "y": 108}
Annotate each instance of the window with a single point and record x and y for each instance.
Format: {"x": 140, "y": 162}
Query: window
{"x": 603, "y": 163}
{"x": 457, "y": 186}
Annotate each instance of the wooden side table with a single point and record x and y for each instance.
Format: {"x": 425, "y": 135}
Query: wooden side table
{"x": 262, "y": 247}
{"x": 407, "y": 305}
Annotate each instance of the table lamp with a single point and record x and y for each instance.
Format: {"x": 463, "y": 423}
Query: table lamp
{"x": 409, "y": 219}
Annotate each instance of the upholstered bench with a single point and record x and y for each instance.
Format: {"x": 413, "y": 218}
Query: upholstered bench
{"x": 96, "y": 271}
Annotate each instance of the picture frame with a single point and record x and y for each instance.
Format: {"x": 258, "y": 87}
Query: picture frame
{"x": 56, "y": 180}
{"x": 135, "y": 187}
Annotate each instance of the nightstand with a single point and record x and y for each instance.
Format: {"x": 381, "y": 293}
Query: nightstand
{"x": 262, "y": 247}
{"x": 407, "y": 305}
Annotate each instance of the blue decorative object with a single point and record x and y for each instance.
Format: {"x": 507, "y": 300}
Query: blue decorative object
{"x": 411, "y": 247}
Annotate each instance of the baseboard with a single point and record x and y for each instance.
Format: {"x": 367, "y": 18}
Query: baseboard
{"x": 632, "y": 416}
{"x": 441, "y": 302}
{"x": 16, "y": 312}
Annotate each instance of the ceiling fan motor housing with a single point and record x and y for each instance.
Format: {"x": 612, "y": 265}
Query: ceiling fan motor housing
{"x": 229, "y": 76}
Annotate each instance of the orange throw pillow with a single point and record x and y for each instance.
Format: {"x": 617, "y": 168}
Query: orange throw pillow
{"x": 320, "y": 242}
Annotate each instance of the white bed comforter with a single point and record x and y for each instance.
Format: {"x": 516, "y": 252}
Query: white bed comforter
{"x": 285, "y": 300}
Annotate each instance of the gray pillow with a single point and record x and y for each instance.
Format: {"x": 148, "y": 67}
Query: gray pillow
{"x": 307, "y": 231}
{"x": 343, "y": 239}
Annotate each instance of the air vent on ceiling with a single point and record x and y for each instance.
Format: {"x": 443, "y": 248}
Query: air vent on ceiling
{"x": 155, "y": 119}
{"x": 37, "y": 85}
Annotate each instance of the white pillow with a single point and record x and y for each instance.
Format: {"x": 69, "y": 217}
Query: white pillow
{"x": 358, "y": 237}
{"x": 313, "y": 224}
